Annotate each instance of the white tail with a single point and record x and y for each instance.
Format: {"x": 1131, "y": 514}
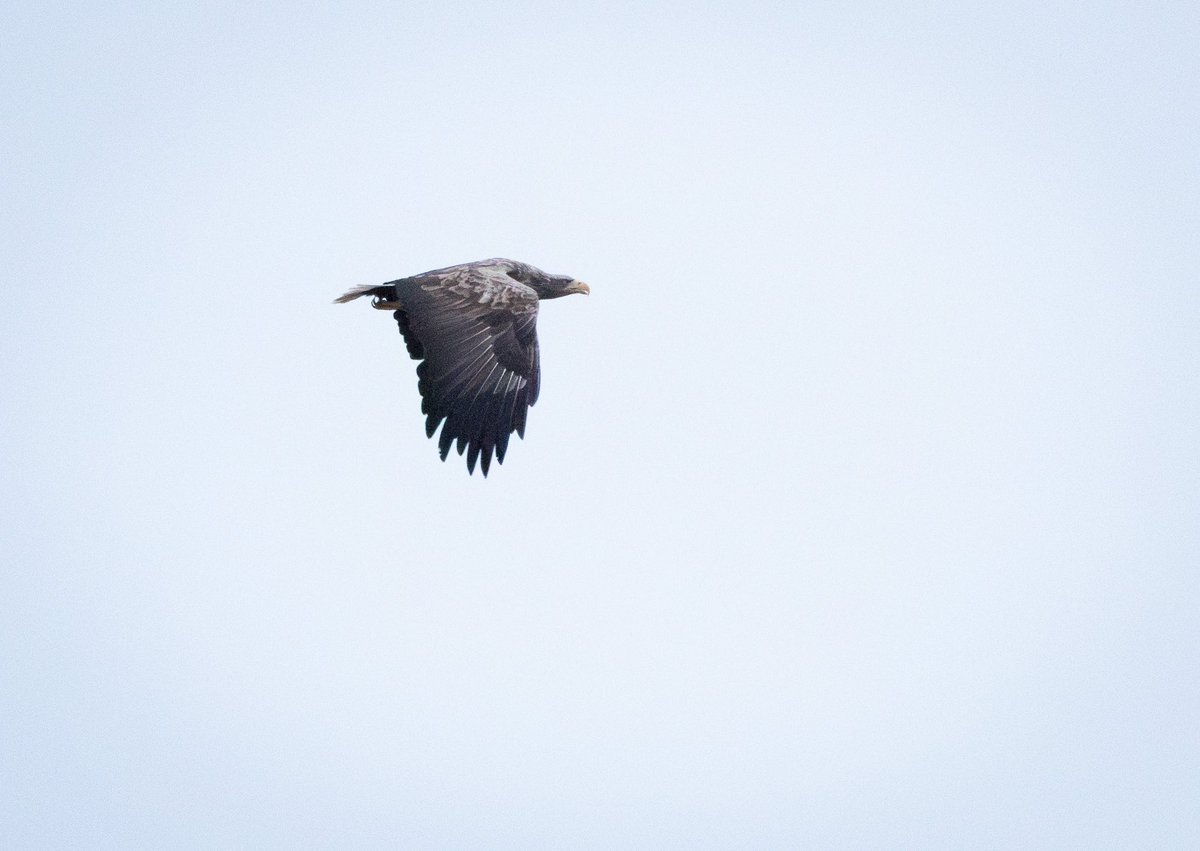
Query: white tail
{"x": 358, "y": 292}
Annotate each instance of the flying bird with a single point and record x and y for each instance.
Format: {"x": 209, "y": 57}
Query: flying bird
{"x": 474, "y": 329}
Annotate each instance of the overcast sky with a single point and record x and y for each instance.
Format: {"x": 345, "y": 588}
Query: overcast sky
{"x": 859, "y": 509}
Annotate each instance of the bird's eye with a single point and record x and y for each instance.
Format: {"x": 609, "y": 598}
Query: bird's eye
{"x": 514, "y": 276}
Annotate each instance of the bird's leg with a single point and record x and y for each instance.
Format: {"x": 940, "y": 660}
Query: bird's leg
{"x": 383, "y": 304}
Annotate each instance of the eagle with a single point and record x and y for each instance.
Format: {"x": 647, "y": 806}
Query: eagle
{"x": 474, "y": 329}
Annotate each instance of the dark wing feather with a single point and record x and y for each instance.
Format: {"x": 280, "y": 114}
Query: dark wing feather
{"x": 475, "y": 330}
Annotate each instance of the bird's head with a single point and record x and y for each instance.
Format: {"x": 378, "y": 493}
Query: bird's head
{"x": 546, "y": 286}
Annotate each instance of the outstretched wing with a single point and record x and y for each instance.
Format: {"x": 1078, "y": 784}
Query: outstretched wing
{"x": 475, "y": 331}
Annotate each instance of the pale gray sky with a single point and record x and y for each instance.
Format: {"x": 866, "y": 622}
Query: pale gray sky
{"x": 859, "y": 509}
